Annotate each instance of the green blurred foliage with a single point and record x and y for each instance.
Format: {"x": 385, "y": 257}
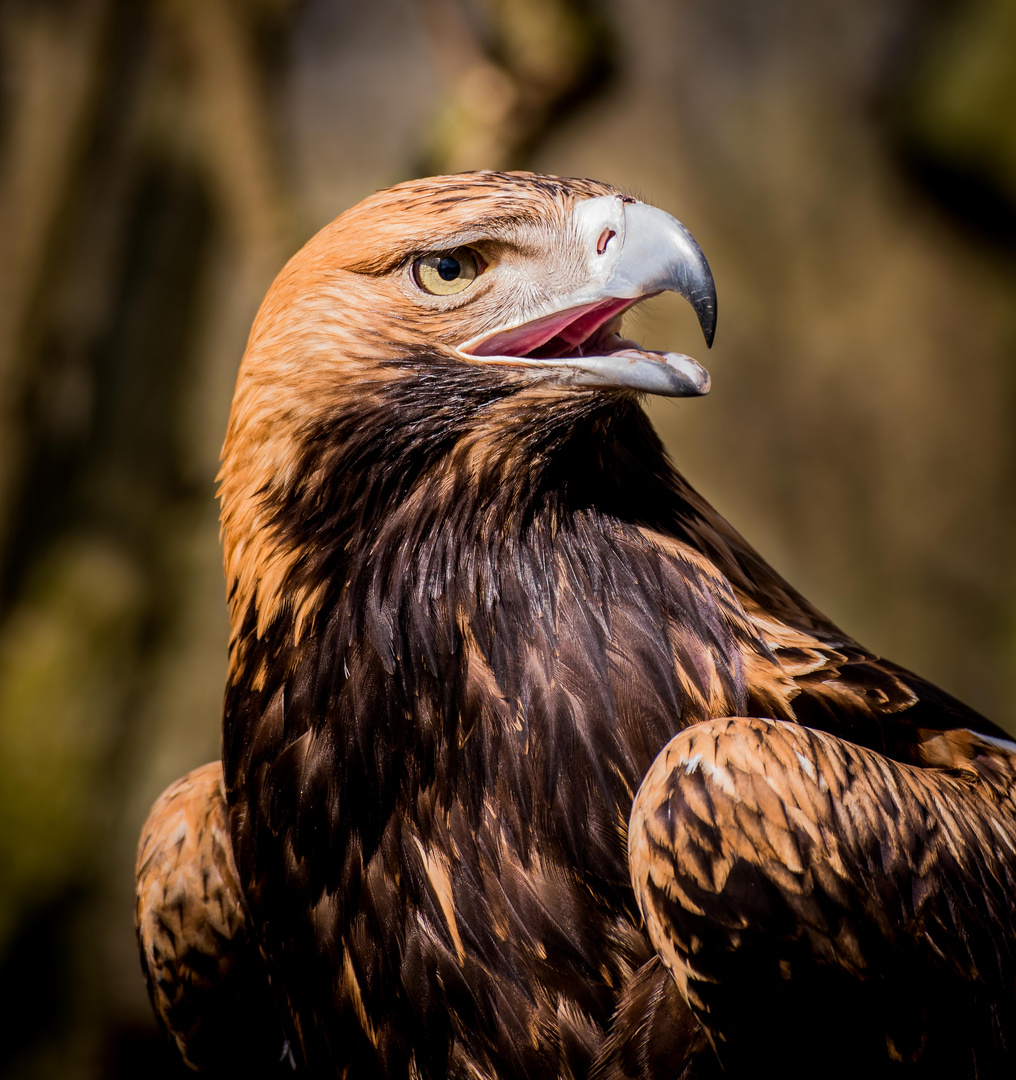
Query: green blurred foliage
{"x": 964, "y": 94}
{"x": 63, "y": 653}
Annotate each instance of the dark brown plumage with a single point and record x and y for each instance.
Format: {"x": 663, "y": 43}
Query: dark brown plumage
{"x": 472, "y": 602}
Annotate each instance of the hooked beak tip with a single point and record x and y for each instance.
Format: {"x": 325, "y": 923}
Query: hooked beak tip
{"x": 659, "y": 254}
{"x": 705, "y": 309}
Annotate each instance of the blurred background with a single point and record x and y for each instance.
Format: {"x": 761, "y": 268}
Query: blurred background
{"x": 849, "y": 167}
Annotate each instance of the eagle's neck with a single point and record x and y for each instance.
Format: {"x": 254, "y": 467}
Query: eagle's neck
{"x": 419, "y": 484}
{"x": 431, "y": 536}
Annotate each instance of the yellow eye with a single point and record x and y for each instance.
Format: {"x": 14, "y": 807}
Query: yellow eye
{"x": 447, "y": 274}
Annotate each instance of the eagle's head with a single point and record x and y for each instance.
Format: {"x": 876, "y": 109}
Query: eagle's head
{"x": 447, "y": 319}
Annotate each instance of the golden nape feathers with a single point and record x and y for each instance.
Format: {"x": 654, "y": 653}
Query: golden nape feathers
{"x": 479, "y": 624}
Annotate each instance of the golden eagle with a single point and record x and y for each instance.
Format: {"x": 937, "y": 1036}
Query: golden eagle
{"x": 531, "y": 766}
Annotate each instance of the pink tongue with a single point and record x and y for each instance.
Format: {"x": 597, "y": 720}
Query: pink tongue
{"x": 572, "y": 326}
{"x": 586, "y": 325}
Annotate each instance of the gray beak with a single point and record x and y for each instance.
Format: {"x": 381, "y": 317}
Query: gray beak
{"x": 633, "y": 251}
{"x": 660, "y": 255}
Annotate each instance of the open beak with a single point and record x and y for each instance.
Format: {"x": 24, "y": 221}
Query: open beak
{"x": 634, "y": 251}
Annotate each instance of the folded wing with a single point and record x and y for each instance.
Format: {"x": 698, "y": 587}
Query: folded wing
{"x": 206, "y": 977}
{"x": 803, "y": 890}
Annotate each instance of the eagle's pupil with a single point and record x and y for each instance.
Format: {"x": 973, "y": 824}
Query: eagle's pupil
{"x": 448, "y": 268}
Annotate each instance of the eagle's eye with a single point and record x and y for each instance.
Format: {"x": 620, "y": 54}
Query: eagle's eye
{"x": 448, "y": 273}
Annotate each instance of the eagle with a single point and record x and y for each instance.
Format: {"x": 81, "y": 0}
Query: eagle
{"x": 531, "y": 766}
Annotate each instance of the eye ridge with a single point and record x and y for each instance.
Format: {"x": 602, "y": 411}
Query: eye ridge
{"x": 445, "y": 273}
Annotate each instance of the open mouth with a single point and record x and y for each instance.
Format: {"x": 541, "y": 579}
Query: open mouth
{"x": 565, "y": 333}
{"x": 583, "y": 346}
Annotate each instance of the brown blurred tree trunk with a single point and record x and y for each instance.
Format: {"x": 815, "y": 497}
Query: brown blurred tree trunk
{"x": 145, "y": 214}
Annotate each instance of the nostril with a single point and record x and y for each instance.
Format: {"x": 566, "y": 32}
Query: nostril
{"x": 605, "y": 237}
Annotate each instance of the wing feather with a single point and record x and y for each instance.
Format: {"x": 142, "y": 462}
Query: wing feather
{"x": 789, "y": 878}
{"x": 206, "y": 978}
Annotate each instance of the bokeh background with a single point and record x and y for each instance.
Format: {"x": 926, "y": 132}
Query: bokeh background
{"x": 849, "y": 167}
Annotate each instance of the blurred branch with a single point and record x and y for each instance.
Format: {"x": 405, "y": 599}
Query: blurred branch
{"x": 53, "y": 57}
{"x": 509, "y": 67}
{"x": 233, "y": 116}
